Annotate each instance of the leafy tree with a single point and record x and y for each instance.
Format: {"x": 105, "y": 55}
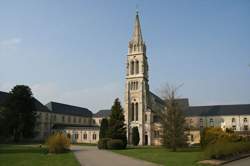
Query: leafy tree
{"x": 173, "y": 120}
{"x": 135, "y": 136}
{"x": 117, "y": 129}
{"x": 104, "y": 129}
{"x": 20, "y": 116}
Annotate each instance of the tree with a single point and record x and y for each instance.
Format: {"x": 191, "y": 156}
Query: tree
{"x": 104, "y": 129}
{"x": 173, "y": 120}
{"x": 135, "y": 136}
{"x": 20, "y": 116}
{"x": 117, "y": 129}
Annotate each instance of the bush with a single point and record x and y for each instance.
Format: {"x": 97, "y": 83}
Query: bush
{"x": 115, "y": 144}
{"x": 221, "y": 150}
{"x": 58, "y": 143}
{"x": 211, "y": 136}
{"x": 135, "y": 136}
{"x": 103, "y": 143}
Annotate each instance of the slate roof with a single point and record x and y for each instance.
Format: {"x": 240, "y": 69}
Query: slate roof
{"x": 65, "y": 126}
{"x": 217, "y": 110}
{"x": 103, "y": 113}
{"x": 38, "y": 105}
{"x": 61, "y": 108}
{"x": 182, "y": 101}
{"x": 157, "y": 99}
{"x": 3, "y": 97}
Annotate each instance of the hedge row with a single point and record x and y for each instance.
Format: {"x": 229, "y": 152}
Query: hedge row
{"x": 107, "y": 143}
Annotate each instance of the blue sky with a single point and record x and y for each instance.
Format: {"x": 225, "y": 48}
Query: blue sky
{"x": 74, "y": 51}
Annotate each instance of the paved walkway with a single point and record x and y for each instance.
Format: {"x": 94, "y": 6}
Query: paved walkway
{"x": 241, "y": 162}
{"x": 91, "y": 156}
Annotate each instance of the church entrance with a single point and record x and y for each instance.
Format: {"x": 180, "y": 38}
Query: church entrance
{"x": 146, "y": 140}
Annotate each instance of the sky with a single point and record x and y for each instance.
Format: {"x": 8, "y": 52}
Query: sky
{"x": 74, "y": 51}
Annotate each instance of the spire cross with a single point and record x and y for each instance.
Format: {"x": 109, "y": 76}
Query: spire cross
{"x": 137, "y": 9}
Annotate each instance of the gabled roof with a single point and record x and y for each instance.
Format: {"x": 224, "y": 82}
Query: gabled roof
{"x": 218, "y": 110}
{"x": 183, "y": 102}
{"x": 156, "y": 98}
{"x": 38, "y": 105}
{"x": 103, "y": 113}
{"x": 61, "y": 108}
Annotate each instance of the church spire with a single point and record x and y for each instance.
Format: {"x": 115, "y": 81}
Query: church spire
{"x": 137, "y": 35}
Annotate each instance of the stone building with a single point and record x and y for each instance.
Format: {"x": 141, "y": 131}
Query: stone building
{"x": 141, "y": 105}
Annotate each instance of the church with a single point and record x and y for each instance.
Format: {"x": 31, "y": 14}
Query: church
{"x": 141, "y": 105}
{"x": 140, "y": 108}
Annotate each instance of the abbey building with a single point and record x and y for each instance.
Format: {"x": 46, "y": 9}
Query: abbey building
{"x": 140, "y": 108}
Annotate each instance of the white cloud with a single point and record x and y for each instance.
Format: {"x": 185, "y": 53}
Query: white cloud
{"x": 10, "y": 43}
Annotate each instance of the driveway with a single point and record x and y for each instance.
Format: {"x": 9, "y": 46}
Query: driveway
{"x": 242, "y": 162}
{"x": 91, "y": 156}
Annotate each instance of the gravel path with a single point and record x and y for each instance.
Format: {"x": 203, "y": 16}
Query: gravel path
{"x": 241, "y": 162}
{"x": 91, "y": 156}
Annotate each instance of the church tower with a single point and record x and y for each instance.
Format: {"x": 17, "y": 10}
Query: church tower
{"x": 137, "y": 88}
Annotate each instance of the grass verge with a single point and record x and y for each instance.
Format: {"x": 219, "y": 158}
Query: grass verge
{"x": 166, "y": 157}
{"x": 30, "y": 155}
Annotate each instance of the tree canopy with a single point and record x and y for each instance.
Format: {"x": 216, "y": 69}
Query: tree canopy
{"x": 19, "y": 113}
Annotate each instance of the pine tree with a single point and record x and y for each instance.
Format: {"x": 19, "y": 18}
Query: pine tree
{"x": 135, "y": 136}
{"x": 117, "y": 129}
{"x": 103, "y": 129}
{"x": 20, "y": 116}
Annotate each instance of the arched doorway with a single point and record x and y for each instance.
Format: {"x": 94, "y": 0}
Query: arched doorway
{"x": 146, "y": 140}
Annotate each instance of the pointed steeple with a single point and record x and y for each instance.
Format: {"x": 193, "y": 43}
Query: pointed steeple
{"x": 137, "y": 35}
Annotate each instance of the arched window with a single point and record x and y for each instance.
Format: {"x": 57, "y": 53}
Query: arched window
{"x": 132, "y": 68}
{"x": 132, "y": 111}
{"x": 136, "y": 111}
{"x": 137, "y": 67}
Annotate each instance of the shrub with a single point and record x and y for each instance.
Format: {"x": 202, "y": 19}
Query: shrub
{"x": 226, "y": 149}
{"x": 58, "y": 143}
{"x": 115, "y": 144}
{"x": 103, "y": 143}
{"x": 135, "y": 136}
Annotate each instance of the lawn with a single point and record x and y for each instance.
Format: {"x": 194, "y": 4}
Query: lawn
{"x": 184, "y": 157}
{"x": 30, "y": 155}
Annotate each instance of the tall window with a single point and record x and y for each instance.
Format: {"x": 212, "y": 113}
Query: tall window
{"x": 132, "y": 111}
{"x": 85, "y": 136}
{"x": 233, "y": 120}
{"x": 137, "y": 67}
{"x": 211, "y": 122}
{"x": 146, "y": 118}
{"x": 245, "y": 120}
{"x": 69, "y": 119}
{"x": 132, "y": 68}
{"x": 136, "y": 111}
{"x": 63, "y": 119}
{"x": 94, "y": 136}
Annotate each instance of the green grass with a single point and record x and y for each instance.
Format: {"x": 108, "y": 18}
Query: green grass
{"x": 30, "y": 155}
{"x": 166, "y": 157}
